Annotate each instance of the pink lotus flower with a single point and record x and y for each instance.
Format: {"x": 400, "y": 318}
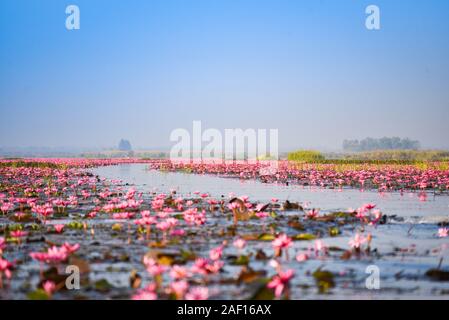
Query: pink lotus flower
{"x": 212, "y": 202}
{"x": 360, "y": 213}
{"x": 357, "y": 241}
{"x": 200, "y": 266}
{"x": 55, "y": 254}
{"x": 203, "y": 266}
{"x": 377, "y": 214}
{"x": 147, "y": 293}
{"x": 262, "y": 215}
{"x": 6, "y": 207}
{"x": 92, "y": 214}
{"x": 179, "y": 200}
{"x": 2, "y": 244}
{"x": 214, "y": 267}
{"x": 239, "y": 243}
{"x": 178, "y": 272}
{"x": 145, "y": 213}
{"x": 123, "y": 215}
{"x": 179, "y": 288}
{"x": 5, "y": 265}
{"x": 282, "y": 242}
{"x": 18, "y": 234}
{"x": 164, "y": 213}
{"x": 301, "y": 257}
{"x": 320, "y": 248}
{"x": 275, "y": 264}
{"x": 280, "y": 282}
{"x": 197, "y": 293}
{"x": 163, "y": 226}
{"x": 19, "y": 215}
{"x": 49, "y": 287}
{"x": 146, "y": 221}
{"x": 369, "y": 206}
{"x": 59, "y": 228}
{"x": 153, "y": 267}
{"x": 443, "y": 232}
{"x": 172, "y": 222}
{"x": 71, "y": 248}
{"x": 177, "y": 232}
{"x": 312, "y": 214}
{"x": 216, "y": 253}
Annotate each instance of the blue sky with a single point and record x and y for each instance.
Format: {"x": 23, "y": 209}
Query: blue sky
{"x": 139, "y": 69}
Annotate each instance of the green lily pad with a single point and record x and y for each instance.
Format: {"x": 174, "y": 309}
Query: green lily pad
{"x": 39, "y": 294}
{"x": 304, "y": 237}
{"x": 266, "y": 237}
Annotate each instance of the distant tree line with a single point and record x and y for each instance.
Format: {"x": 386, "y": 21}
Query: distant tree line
{"x": 369, "y": 144}
{"x": 124, "y": 145}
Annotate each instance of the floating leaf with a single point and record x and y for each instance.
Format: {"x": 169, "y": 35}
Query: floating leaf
{"x": 292, "y": 206}
{"x": 250, "y": 237}
{"x": 135, "y": 280}
{"x": 341, "y": 214}
{"x": 53, "y": 275}
{"x": 39, "y": 294}
{"x": 187, "y": 255}
{"x": 116, "y": 227}
{"x": 157, "y": 244}
{"x": 74, "y": 225}
{"x": 24, "y": 218}
{"x": 304, "y": 237}
{"x": 438, "y": 275}
{"x": 346, "y": 255}
{"x": 266, "y": 237}
{"x": 326, "y": 218}
{"x": 334, "y": 231}
{"x": 262, "y": 292}
{"x": 241, "y": 261}
{"x": 324, "y": 280}
{"x": 249, "y": 275}
{"x": 261, "y": 255}
{"x": 15, "y": 227}
{"x": 165, "y": 260}
{"x": 296, "y": 225}
{"x": 103, "y": 285}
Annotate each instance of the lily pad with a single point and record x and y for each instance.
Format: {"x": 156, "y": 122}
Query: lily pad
{"x": 304, "y": 237}
{"x": 266, "y": 237}
{"x": 438, "y": 275}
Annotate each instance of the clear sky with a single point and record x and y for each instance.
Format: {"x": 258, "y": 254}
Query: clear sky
{"x": 139, "y": 69}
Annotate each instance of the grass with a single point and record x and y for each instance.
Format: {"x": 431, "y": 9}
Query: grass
{"x": 306, "y": 156}
{"x": 400, "y": 155}
{"x": 421, "y": 159}
{"x": 16, "y": 163}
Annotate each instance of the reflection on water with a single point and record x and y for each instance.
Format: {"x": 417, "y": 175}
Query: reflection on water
{"x": 402, "y": 271}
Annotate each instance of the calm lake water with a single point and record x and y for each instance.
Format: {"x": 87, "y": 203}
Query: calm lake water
{"x": 408, "y": 205}
{"x": 413, "y": 225}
